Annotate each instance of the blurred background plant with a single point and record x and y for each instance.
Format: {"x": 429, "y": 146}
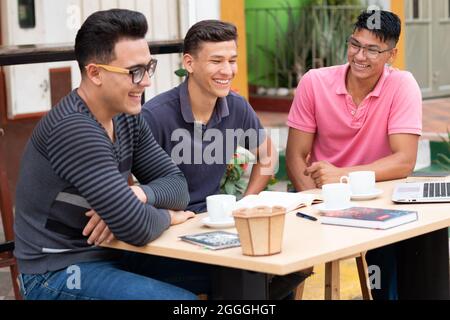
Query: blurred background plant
{"x": 443, "y": 159}
{"x": 284, "y": 42}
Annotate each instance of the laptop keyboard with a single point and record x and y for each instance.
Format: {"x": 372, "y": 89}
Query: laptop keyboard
{"x": 436, "y": 190}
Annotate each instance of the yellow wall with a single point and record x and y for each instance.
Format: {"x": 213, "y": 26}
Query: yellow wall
{"x": 233, "y": 11}
{"x": 398, "y": 7}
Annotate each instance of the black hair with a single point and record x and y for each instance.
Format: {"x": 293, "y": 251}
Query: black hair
{"x": 99, "y": 34}
{"x": 208, "y": 31}
{"x": 384, "y": 24}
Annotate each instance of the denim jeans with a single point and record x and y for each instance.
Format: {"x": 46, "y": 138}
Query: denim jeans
{"x": 101, "y": 280}
{"x": 192, "y": 276}
{"x": 197, "y": 277}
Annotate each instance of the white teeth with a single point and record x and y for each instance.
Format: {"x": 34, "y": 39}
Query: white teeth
{"x": 361, "y": 65}
{"x": 222, "y": 81}
{"x": 137, "y": 95}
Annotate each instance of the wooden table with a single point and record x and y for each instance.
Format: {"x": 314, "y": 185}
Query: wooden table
{"x": 308, "y": 243}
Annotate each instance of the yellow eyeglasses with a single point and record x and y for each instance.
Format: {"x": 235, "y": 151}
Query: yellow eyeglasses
{"x": 137, "y": 73}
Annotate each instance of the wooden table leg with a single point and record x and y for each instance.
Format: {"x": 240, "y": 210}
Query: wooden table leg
{"x": 363, "y": 274}
{"x": 332, "y": 283}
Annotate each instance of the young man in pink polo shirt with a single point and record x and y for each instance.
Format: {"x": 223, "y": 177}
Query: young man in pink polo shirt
{"x": 363, "y": 115}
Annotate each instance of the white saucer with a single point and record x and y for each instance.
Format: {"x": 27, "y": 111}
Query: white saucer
{"x": 367, "y": 196}
{"x": 321, "y": 207}
{"x": 227, "y": 223}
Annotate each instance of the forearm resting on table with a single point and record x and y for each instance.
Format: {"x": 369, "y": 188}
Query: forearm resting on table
{"x": 299, "y": 147}
{"x": 264, "y": 169}
{"x": 296, "y": 167}
{"x": 258, "y": 181}
{"x": 395, "y": 166}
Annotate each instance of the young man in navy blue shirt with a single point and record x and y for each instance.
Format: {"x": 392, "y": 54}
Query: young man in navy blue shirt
{"x": 201, "y": 123}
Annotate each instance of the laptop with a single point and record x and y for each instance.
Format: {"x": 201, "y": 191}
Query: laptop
{"x": 422, "y": 192}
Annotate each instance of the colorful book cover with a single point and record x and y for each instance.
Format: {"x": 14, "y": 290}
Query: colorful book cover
{"x": 369, "y": 217}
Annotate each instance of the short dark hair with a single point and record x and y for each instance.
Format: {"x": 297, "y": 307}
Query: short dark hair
{"x": 208, "y": 31}
{"x": 99, "y": 34}
{"x": 389, "y": 27}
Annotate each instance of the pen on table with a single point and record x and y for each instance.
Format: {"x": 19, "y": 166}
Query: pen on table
{"x": 305, "y": 216}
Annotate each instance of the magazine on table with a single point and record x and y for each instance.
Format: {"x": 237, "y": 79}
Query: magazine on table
{"x": 373, "y": 218}
{"x": 214, "y": 240}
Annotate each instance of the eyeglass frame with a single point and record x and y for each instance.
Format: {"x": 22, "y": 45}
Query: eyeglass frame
{"x": 149, "y": 68}
{"x": 366, "y": 48}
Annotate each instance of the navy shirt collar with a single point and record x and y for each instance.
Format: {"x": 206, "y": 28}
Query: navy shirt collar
{"x": 220, "y": 111}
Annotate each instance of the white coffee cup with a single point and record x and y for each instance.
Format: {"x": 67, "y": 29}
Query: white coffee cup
{"x": 220, "y": 206}
{"x": 336, "y": 196}
{"x": 361, "y": 182}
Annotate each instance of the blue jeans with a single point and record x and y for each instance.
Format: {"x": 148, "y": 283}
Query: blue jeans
{"x": 197, "y": 277}
{"x": 101, "y": 280}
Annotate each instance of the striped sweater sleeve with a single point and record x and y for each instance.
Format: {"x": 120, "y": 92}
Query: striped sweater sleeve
{"x": 162, "y": 181}
{"x": 81, "y": 153}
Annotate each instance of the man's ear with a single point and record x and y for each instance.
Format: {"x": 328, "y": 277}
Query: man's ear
{"x": 93, "y": 74}
{"x": 393, "y": 56}
{"x": 188, "y": 62}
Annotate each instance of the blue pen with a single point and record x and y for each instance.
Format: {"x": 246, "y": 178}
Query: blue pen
{"x": 305, "y": 216}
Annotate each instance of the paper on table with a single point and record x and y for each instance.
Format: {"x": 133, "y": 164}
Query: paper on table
{"x": 288, "y": 200}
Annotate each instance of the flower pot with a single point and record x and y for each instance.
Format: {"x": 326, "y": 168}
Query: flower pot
{"x": 260, "y": 230}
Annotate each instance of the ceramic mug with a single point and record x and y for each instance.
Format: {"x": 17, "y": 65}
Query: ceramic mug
{"x": 220, "y": 206}
{"x": 361, "y": 182}
{"x": 336, "y": 196}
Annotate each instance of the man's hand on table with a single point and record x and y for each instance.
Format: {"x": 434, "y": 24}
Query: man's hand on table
{"x": 97, "y": 230}
{"x": 179, "y": 217}
{"x": 323, "y": 172}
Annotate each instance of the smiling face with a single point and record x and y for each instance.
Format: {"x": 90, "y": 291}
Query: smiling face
{"x": 212, "y": 68}
{"x": 362, "y": 66}
{"x": 119, "y": 92}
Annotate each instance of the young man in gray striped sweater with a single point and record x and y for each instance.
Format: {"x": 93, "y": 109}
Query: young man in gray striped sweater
{"x": 72, "y": 192}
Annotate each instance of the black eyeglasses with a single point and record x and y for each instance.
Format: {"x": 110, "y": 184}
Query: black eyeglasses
{"x": 137, "y": 73}
{"x": 371, "y": 52}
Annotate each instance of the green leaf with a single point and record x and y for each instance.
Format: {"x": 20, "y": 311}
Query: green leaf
{"x": 181, "y": 73}
{"x": 443, "y": 158}
{"x": 230, "y": 188}
{"x": 241, "y": 185}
